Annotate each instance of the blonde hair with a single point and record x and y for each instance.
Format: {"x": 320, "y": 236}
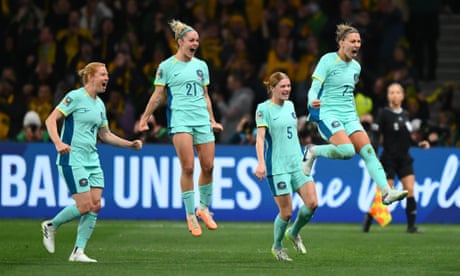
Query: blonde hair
{"x": 343, "y": 30}
{"x": 273, "y": 80}
{"x": 179, "y": 28}
{"x": 89, "y": 70}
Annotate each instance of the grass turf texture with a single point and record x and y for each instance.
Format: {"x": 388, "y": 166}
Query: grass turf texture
{"x": 167, "y": 248}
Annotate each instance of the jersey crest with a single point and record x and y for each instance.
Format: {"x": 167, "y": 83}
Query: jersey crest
{"x": 200, "y": 74}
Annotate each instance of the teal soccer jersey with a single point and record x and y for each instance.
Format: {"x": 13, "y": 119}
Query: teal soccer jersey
{"x": 338, "y": 79}
{"x": 283, "y": 153}
{"x": 84, "y": 116}
{"x": 184, "y": 83}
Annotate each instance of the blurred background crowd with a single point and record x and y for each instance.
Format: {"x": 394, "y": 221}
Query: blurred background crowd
{"x": 45, "y": 42}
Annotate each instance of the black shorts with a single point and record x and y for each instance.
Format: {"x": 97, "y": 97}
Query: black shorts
{"x": 400, "y": 166}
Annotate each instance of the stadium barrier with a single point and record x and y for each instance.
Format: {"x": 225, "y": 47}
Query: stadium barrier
{"x": 145, "y": 185}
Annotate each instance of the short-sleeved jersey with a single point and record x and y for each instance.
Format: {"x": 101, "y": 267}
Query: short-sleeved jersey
{"x": 396, "y": 129}
{"x": 184, "y": 83}
{"x": 338, "y": 80}
{"x": 84, "y": 116}
{"x": 283, "y": 153}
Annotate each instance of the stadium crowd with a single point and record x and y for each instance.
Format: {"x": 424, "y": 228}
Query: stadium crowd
{"x": 45, "y": 43}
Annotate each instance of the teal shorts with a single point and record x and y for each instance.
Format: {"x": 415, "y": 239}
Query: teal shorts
{"x": 329, "y": 127}
{"x": 82, "y": 179}
{"x": 201, "y": 134}
{"x": 287, "y": 183}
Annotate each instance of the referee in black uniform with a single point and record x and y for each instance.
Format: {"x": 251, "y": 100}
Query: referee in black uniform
{"x": 395, "y": 130}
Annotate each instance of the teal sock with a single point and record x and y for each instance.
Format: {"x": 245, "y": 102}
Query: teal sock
{"x": 344, "y": 151}
{"x": 65, "y": 215}
{"x": 189, "y": 201}
{"x": 278, "y": 232}
{"x": 374, "y": 167}
{"x": 325, "y": 150}
{"x": 85, "y": 229}
{"x": 205, "y": 194}
{"x": 303, "y": 217}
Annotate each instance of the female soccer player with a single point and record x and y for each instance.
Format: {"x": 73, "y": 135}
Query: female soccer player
{"x": 331, "y": 105}
{"x": 78, "y": 161}
{"x": 183, "y": 79}
{"x": 279, "y": 157}
{"x": 395, "y": 129}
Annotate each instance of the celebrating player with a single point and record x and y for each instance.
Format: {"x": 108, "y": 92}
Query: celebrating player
{"x": 279, "y": 157}
{"x": 78, "y": 161}
{"x": 331, "y": 104}
{"x": 184, "y": 78}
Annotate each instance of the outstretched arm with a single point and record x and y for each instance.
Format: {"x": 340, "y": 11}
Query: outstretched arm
{"x": 108, "y": 137}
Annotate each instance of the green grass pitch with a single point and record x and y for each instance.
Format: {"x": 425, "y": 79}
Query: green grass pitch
{"x": 167, "y": 248}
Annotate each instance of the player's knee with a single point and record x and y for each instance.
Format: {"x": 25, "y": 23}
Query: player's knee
{"x": 207, "y": 169}
{"x": 312, "y": 205}
{"x": 187, "y": 170}
{"x": 96, "y": 206}
{"x": 346, "y": 151}
{"x": 286, "y": 214}
{"x": 84, "y": 208}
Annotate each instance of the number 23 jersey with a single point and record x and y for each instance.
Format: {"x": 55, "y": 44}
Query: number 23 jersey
{"x": 338, "y": 79}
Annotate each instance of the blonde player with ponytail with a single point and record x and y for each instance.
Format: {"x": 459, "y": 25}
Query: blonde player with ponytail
{"x": 183, "y": 80}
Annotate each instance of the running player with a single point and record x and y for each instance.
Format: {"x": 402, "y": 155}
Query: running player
{"x": 78, "y": 162}
{"x": 279, "y": 157}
